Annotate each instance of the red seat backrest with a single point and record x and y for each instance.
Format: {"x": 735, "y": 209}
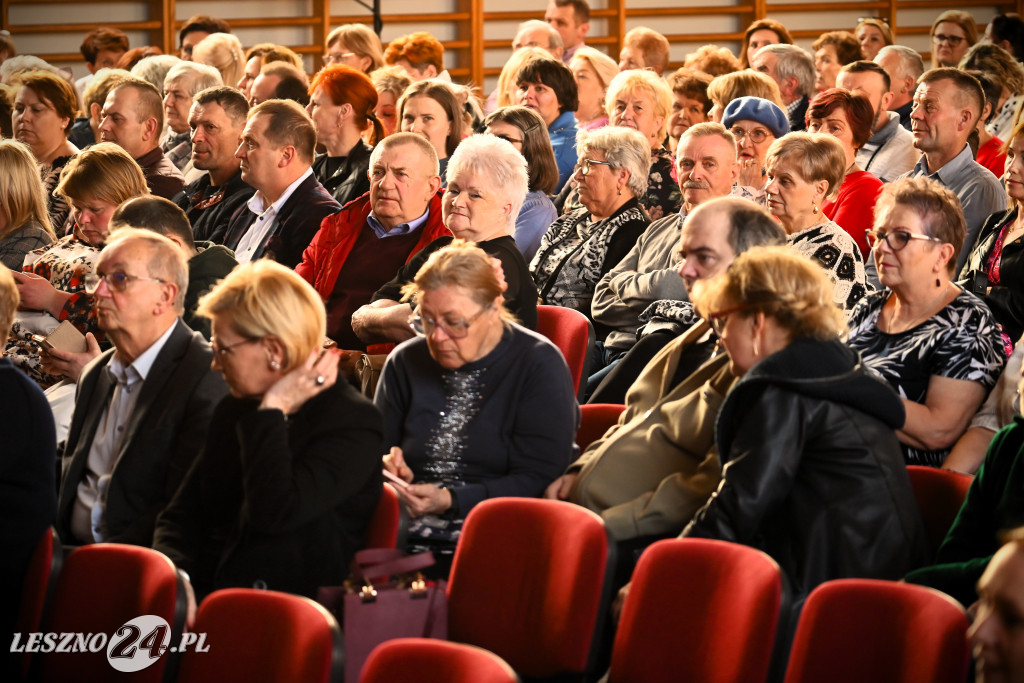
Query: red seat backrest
{"x": 427, "y": 660}
{"x": 699, "y": 610}
{"x": 856, "y": 630}
{"x": 386, "y": 525}
{"x": 940, "y": 495}
{"x": 572, "y": 333}
{"x": 595, "y": 420}
{"x": 528, "y": 583}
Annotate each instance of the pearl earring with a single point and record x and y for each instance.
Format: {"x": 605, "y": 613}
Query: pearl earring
{"x": 814, "y": 209}
{"x": 274, "y": 365}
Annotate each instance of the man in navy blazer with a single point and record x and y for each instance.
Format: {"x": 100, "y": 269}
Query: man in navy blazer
{"x": 142, "y": 408}
{"x": 280, "y": 220}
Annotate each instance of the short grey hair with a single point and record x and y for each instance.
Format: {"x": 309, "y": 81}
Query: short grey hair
{"x": 396, "y": 139}
{"x": 196, "y": 77}
{"x": 910, "y": 62}
{"x": 707, "y": 129}
{"x": 554, "y": 37}
{"x": 793, "y": 62}
{"x": 499, "y": 162}
{"x": 166, "y": 260}
{"x": 623, "y": 148}
{"x": 154, "y": 69}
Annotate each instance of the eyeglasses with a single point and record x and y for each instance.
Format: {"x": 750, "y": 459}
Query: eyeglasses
{"x": 116, "y": 282}
{"x": 897, "y": 239}
{"x": 943, "y": 38}
{"x": 718, "y": 319}
{"x": 757, "y": 136}
{"x": 586, "y": 164}
{"x": 455, "y": 329}
{"x": 227, "y": 350}
{"x": 337, "y": 57}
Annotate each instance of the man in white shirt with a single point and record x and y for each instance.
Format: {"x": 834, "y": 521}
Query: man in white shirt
{"x": 143, "y": 407}
{"x": 280, "y": 220}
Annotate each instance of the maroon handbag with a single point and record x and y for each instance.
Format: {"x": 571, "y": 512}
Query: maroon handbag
{"x": 386, "y": 598}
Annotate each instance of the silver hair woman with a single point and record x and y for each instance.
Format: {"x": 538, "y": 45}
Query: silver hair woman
{"x": 487, "y": 182}
{"x": 584, "y": 244}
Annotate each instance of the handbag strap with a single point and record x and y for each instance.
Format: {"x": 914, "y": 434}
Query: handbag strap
{"x": 378, "y": 562}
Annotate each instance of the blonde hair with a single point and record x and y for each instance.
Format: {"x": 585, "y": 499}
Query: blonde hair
{"x": 105, "y": 172}
{"x": 265, "y": 299}
{"x": 782, "y": 284}
{"x": 360, "y": 39}
{"x": 725, "y": 88}
{"x": 10, "y": 299}
{"x": 22, "y": 196}
{"x": 222, "y": 51}
{"x": 603, "y": 65}
{"x": 508, "y": 79}
{"x": 634, "y": 80}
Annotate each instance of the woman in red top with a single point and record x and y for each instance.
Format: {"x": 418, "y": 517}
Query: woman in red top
{"x": 847, "y": 117}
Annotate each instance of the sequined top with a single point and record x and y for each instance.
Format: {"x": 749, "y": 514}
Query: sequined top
{"x": 503, "y": 425}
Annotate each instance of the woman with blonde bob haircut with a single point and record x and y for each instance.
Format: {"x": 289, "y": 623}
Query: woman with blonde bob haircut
{"x": 52, "y": 285}
{"x": 803, "y": 170}
{"x": 284, "y": 489}
{"x": 475, "y": 406}
{"x": 806, "y": 436}
{"x": 24, "y": 220}
{"x": 593, "y": 71}
{"x": 355, "y": 45}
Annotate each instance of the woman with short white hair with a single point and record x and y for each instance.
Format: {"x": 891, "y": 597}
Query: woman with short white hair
{"x": 583, "y": 245}
{"x": 487, "y": 182}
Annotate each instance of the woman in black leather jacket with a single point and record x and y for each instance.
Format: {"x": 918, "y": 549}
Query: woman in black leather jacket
{"x": 812, "y": 471}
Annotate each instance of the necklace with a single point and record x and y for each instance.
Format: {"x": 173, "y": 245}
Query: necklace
{"x": 849, "y": 168}
{"x": 928, "y": 312}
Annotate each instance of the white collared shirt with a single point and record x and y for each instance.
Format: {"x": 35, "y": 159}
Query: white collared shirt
{"x": 88, "y": 515}
{"x": 266, "y": 220}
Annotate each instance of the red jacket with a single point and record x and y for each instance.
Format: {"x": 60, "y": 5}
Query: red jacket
{"x": 326, "y": 254}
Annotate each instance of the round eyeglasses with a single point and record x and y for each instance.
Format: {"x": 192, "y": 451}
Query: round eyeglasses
{"x": 896, "y": 239}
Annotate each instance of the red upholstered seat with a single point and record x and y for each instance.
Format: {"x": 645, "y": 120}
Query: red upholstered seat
{"x": 573, "y": 334}
{"x": 38, "y": 588}
{"x": 256, "y": 635}
{"x": 387, "y": 527}
{"x": 939, "y": 494}
{"x": 101, "y": 588}
{"x": 698, "y": 610}
{"x": 856, "y": 630}
{"x": 426, "y": 660}
{"x": 528, "y": 583}
{"x": 595, "y": 419}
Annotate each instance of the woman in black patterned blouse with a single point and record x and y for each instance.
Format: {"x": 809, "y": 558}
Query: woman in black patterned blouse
{"x": 938, "y": 345}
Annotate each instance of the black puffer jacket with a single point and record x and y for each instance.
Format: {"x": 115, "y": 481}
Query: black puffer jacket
{"x": 813, "y": 474}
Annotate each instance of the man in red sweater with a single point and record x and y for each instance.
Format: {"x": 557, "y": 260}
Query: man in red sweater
{"x": 361, "y": 247}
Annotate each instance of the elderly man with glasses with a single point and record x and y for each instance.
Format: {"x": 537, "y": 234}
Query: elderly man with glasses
{"x": 142, "y": 407}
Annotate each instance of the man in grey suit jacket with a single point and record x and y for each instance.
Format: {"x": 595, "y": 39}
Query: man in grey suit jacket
{"x": 142, "y": 408}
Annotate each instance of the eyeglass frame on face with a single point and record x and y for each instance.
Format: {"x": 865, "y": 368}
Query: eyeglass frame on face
{"x": 222, "y": 351}
{"x": 763, "y": 133}
{"x": 585, "y": 163}
{"x": 943, "y": 38}
{"x": 92, "y": 281}
{"x": 874, "y": 237}
{"x": 337, "y": 57}
{"x": 420, "y": 324}
{"x": 719, "y": 319}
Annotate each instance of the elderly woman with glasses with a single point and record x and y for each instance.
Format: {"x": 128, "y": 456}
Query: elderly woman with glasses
{"x": 755, "y": 123}
{"x": 475, "y": 407}
{"x": 486, "y": 185}
{"x": 803, "y": 170}
{"x": 281, "y": 495}
{"x": 581, "y": 246}
{"x": 953, "y": 32}
{"x": 938, "y": 345}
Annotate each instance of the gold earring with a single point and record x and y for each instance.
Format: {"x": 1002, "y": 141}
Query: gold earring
{"x": 814, "y": 208}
